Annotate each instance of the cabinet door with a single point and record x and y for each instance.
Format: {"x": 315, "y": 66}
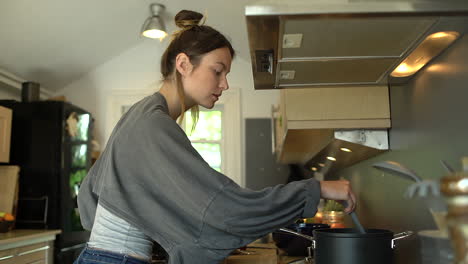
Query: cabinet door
{"x": 7, "y": 256}
{"x": 336, "y": 107}
{"x": 5, "y": 133}
{"x": 9, "y": 176}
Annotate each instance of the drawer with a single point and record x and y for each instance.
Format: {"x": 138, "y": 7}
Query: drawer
{"x": 31, "y": 254}
{"x": 16, "y": 260}
{"x": 4, "y": 254}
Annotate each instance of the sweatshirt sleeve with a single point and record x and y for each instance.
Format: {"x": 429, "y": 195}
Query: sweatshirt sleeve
{"x": 230, "y": 216}
{"x": 248, "y": 215}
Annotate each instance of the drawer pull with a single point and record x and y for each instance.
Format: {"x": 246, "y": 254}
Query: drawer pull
{"x": 7, "y": 257}
{"x": 33, "y": 250}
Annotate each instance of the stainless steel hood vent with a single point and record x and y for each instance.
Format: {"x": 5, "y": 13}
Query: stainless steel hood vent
{"x": 360, "y": 43}
{"x": 348, "y": 147}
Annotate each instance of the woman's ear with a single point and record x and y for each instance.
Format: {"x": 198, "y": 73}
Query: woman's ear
{"x": 183, "y": 64}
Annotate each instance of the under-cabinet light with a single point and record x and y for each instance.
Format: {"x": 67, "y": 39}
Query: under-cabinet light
{"x": 314, "y": 168}
{"x": 346, "y": 150}
{"x": 424, "y": 52}
{"x": 331, "y": 158}
{"x": 321, "y": 165}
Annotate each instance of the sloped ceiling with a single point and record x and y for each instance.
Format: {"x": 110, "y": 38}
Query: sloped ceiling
{"x": 55, "y": 42}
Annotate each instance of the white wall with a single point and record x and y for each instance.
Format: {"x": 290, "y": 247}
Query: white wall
{"x": 8, "y": 92}
{"x": 134, "y": 70}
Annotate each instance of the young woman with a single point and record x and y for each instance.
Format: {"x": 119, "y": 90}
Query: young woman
{"x": 150, "y": 184}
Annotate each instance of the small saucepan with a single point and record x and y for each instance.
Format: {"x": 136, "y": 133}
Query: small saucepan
{"x": 295, "y": 245}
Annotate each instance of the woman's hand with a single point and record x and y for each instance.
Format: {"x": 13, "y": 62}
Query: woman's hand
{"x": 340, "y": 191}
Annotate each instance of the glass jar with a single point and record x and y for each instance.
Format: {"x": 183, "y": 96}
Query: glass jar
{"x": 334, "y": 218}
{"x": 317, "y": 219}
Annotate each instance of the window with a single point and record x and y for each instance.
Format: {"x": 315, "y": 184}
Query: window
{"x": 207, "y": 138}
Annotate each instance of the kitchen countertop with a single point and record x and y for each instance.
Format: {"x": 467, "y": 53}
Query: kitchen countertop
{"x": 262, "y": 253}
{"x": 20, "y": 237}
{"x": 284, "y": 259}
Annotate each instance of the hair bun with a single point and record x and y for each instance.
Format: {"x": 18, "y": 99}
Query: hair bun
{"x": 187, "y": 18}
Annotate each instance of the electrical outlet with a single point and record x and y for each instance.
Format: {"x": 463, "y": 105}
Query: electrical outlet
{"x": 287, "y": 75}
{"x": 292, "y": 41}
{"x": 264, "y": 60}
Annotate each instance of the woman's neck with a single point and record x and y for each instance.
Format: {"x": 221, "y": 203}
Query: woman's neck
{"x": 172, "y": 98}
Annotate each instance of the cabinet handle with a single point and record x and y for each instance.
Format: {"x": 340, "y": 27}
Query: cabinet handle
{"x": 33, "y": 250}
{"x": 7, "y": 257}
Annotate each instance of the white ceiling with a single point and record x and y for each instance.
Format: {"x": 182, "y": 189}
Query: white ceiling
{"x": 55, "y": 42}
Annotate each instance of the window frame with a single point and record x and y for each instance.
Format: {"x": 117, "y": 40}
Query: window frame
{"x": 221, "y": 142}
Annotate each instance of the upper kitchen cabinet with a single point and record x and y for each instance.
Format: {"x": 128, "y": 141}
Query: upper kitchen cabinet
{"x": 5, "y": 133}
{"x": 307, "y": 121}
{"x": 311, "y": 45}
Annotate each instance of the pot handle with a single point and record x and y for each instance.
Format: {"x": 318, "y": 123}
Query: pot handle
{"x": 285, "y": 230}
{"x": 400, "y": 236}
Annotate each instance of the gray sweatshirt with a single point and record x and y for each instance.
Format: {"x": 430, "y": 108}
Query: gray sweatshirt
{"x": 150, "y": 175}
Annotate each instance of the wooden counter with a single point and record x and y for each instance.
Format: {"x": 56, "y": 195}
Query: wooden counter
{"x": 27, "y": 246}
{"x": 255, "y": 253}
{"x": 287, "y": 259}
{"x": 261, "y": 253}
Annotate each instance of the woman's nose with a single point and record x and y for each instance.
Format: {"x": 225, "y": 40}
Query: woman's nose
{"x": 224, "y": 84}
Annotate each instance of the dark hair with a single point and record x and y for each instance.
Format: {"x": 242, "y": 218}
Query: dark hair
{"x": 194, "y": 40}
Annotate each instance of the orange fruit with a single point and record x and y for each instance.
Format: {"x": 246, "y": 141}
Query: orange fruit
{"x": 9, "y": 217}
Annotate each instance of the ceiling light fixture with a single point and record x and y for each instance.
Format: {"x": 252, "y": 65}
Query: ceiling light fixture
{"x": 154, "y": 26}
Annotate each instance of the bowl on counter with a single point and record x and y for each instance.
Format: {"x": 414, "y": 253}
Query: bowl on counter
{"x": 6, "y": 226}
{"x": 294, "y": 245}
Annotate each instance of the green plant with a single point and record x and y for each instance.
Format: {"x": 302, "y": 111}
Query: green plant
{"x": 332, "y": 205}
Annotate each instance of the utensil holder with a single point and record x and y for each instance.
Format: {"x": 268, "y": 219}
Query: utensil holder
{"x": 455, "y": 189}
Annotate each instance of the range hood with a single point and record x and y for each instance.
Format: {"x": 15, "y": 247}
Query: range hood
{"x": 314, "y": 43}
{"x": 311, "y": 128}
{"x": 317, "y": 45}
{"x": 347, "y": 147}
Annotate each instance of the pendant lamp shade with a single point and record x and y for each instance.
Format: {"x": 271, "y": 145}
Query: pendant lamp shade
{"x": 154, "y": 25}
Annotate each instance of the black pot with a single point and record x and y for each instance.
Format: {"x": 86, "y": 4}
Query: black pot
{"x": 294, "y": 245}
{"x": 348, "y": 246}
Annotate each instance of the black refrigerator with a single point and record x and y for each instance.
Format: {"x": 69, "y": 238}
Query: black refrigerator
{"x": 51, "y": 142}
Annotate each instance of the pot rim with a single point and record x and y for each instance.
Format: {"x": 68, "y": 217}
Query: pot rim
{"x": 352, "y": 233}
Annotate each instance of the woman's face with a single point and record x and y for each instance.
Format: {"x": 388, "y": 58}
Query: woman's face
{"x": 204, "y": 84}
